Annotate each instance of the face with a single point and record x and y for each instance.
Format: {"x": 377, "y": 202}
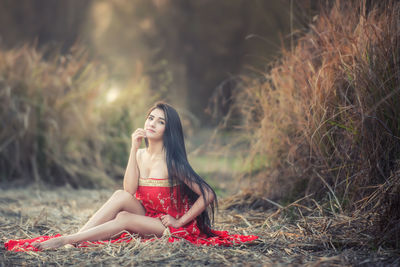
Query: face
{"x": 155, "y": 124}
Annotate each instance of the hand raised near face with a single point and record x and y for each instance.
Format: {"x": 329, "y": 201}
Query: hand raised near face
{"x": 137, "y": 137}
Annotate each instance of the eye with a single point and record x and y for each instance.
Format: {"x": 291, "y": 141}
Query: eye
{"x": 162, "y": 122}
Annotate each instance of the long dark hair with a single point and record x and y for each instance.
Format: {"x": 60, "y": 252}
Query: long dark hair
{"x": 179, "y": 169}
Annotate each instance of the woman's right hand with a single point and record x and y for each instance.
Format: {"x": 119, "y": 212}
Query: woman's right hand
{"x": 137, "y": 137}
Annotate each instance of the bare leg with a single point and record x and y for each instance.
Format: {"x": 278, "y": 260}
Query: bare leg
{"x": 140, "y": 224}
{"x": 119, "y": 201}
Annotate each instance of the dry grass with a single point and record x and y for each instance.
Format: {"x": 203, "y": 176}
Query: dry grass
{"x": 324, "y": 120}
{"x": 287, "y": 235}
{"x": 58, "y": 125}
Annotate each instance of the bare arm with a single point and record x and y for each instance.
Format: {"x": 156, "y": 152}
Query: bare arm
{"x": 197, "y": 208}
{"x": 131, "y": 173}
{"x": 131, "y": 176}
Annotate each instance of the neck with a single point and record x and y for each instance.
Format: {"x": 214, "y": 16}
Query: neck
{"x": 155, "y": 147}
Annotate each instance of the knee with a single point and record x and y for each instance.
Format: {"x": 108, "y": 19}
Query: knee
{"x": 122, "y": 215}
{"x": 123, "y": 218}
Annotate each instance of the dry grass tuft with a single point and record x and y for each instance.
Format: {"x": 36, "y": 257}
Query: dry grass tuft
{"x": 58, "y": 126}
{"x": 325, "y": 119}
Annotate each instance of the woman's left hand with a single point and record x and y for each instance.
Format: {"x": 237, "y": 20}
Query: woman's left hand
{"x": 168, "y": 220}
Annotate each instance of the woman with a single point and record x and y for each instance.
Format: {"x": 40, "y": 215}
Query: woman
{"x": 162, "y": 194}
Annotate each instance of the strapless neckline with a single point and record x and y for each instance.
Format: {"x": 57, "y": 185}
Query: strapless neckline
{"x": 153, "y": 178}
{"x": 155, "y": 182}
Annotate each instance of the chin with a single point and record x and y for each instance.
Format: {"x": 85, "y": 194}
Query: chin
{"x": 152, "y": 137}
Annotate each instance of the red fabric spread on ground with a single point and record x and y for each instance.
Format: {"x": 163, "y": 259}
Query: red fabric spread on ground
{"x": 155, "y": 196}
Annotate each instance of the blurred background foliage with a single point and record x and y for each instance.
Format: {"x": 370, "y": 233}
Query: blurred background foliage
{"x": 187, "y": 48}
{"x": 78, "y": 76}
{"x": 58, "y": 124}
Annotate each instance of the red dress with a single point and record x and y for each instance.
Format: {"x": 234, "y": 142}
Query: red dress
{"x": 155, "y": 196}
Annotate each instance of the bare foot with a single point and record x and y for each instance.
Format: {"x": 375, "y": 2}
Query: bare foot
{"x": 49, "y": 244}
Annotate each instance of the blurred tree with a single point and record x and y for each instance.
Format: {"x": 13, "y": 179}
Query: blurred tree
{"x": 189, "y": 47}
{"x": 47, "y": 22}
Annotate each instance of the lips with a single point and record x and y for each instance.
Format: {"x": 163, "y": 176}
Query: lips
{"x": 150, "y": 130}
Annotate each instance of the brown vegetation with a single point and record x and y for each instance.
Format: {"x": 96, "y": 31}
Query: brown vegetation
{"x": 325, "y": 119}
{"x": 57, "y": 125}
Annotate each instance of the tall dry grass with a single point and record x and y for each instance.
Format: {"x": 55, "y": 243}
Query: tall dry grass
{"x": 326, "y": 120}
{"x": 57, "y": 126}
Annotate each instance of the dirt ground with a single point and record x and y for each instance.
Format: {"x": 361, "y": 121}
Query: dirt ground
{"x": 285, "y": 240}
